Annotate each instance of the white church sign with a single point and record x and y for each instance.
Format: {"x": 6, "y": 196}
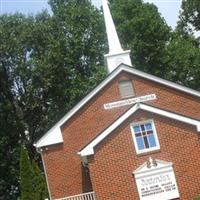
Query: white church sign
{"x": 155, "y": 180}
{"x": 129, "y": 101}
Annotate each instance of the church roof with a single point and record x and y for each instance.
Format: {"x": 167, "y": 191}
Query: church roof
{"x": 54, "y": 135}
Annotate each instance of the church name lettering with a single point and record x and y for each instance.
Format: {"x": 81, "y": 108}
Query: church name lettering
{"x": 155, "y": 180}
{"x": 129, "y": 101}
{"x": 161, "y": 184}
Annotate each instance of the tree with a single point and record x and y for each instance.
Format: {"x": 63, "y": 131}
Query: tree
{"x": 26, "y": 177}
{"x": 66, "y": 61}
{"x": 144, "y": 31}
{"x": 40, "y": 187}
{"x": 32, "y": 183}
{"x": 183, "y": 49}
{"x": 12, "y": 38}
{"x": 47, "y": 63}
{"x": 182, "y": 61}
{"x": 190, "y": 16}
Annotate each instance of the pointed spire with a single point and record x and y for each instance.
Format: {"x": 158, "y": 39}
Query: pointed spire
{"x": 116, "y": 54}
{"x": 113, "y": 40}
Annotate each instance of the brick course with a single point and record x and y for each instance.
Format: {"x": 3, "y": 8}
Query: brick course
{"x": 63, "y": 165}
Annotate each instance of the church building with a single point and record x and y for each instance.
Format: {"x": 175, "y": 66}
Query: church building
{"x": 134, "y": 137}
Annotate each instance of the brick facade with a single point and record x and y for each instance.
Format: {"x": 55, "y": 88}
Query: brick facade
{"x": 115, "y": 159}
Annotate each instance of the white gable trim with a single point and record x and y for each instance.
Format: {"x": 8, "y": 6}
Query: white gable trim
{"x": 171, "y": 115}
{"x": 162, "y": 81}
{"x": 54, "y": 135}
{"x": 89, "y": 149}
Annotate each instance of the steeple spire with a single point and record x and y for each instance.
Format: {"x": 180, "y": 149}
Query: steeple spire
{"x": 113, "y": 40}
{"x": 116, "y": 54}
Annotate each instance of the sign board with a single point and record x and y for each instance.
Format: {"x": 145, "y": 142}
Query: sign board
{"x": 129, "y": 101}
{"x": 157, "y": 182}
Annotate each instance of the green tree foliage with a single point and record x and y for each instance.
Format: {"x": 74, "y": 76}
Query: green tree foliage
{"x": 12, "y": 57}
{"x": 74, "y": 53}
{"x": 39, "y": 183}
{"x": 182, "y": 61}
{"x": 26, "y": 176}
{"x": 47, "y": 63}
{"x": 32, "y": 183}
{"x": 190, "y": 16}
{"x": 183, "y": 49}
{"x": 144, "y": 31}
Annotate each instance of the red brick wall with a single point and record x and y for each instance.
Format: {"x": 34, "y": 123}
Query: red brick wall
{"x": 63, "y": 165}
{"x": 115, "y": 159}
{"x": 168, "y": 98}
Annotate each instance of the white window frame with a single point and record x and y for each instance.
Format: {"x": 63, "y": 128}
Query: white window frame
{"x": 157, "y": 147}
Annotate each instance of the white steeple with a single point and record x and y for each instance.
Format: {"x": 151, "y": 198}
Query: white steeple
{"x": 116, "y": 54}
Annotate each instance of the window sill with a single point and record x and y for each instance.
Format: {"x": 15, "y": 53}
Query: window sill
{"x": 149, "y": 152}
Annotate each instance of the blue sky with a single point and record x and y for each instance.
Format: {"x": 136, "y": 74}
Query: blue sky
{"x": 169, "y": 9}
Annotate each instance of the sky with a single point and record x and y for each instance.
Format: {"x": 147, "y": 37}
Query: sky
{"x": 169, "y": 9}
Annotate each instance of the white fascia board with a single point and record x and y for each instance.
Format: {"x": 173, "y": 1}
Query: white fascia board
{"x": 171, "y": 115}
{"x": 57, "y": 133}
{"x": 54, "y": 138}
{"x": 89, "y": 149}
